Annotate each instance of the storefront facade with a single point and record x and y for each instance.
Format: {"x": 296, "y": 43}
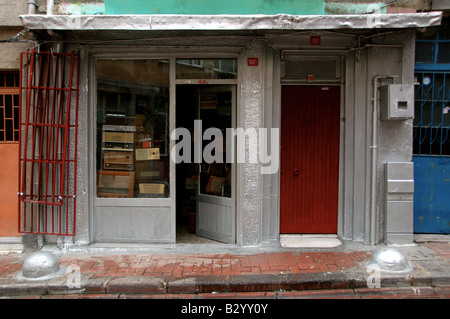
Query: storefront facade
{"x": 149, "y": 102}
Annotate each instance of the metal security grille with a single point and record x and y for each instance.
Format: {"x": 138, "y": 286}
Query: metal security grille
{"x": 432, "y": 114}
{"x": 9, "y": 106}
{"x": 48, "y": 142}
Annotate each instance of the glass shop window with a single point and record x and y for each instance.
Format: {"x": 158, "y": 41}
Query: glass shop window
{"x": 133, "y": 128}
{"x": 206, "y": 69}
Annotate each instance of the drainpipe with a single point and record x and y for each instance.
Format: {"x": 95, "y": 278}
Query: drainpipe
{"x": 50, "y": 6}
{"x": 32, "y": 6}
{"x": 374, "y": 147}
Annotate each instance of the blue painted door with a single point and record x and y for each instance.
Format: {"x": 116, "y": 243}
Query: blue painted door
{"x": 432, "y": 153}
{"x": 432, "y": 194}
{"x": 432, "y": 131}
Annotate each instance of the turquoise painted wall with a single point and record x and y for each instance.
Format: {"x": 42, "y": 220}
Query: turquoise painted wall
{"x": 214, "y": 7}
{"x": 354, "y": 8}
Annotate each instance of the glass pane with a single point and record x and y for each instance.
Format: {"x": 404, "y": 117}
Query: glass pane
{"x": 10, "y": 79}
{"x": 426, "y": 34}
{"x": 206, "y": 69}
{"x": 443, "y": 53}
{"x": 215, "y": 113}
{"x": 16, "y": 99}
{"x": 424, "y": 52}
{"x": 16, "y": 118}
{"x": 2, "y": 118}
{"x": 324, "y": 68}
{"x": 444, "y": 29}
{"x": 8, "y": 106}
{"x": 9, "y": 130}
{"x": 133, "y": 128}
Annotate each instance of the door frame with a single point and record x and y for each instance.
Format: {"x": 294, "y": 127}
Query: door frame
{"x": 341, "y": 85}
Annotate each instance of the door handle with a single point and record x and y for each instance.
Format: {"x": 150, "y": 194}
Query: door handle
{"x": 296, "y": 171}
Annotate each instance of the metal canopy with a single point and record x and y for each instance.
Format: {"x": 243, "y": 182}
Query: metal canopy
{"x": 231, "y": 22}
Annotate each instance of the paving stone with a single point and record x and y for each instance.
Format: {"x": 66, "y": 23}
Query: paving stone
{"x": 136, "y": 285}
{"x": 259, "y": 282}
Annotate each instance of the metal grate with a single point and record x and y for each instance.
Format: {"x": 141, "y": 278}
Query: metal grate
{"x": 432, "y": 114}
{"x": 49, "y": 87}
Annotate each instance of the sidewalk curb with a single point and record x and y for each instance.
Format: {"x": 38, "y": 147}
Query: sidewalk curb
{"x": 134, "y": 285}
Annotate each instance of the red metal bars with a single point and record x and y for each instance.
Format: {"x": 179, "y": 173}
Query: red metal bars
{"x": 48, "y": 142}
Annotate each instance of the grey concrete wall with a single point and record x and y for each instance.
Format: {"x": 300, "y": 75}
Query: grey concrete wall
{"x": 10, "y": 11}
{"x": 10, "y": 52}
{"x": 394, "y": 137}
{"x": 356, "y": 163}
{"x": 270, "y": 226}
{"x": 250, "y": 115}
{"x": 83, "y": 187}
{"x": 258, "y": 203}
{"x": 10, "y": 26}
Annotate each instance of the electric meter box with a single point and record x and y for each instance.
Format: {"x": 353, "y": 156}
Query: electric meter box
{"x": 397, "y": 101}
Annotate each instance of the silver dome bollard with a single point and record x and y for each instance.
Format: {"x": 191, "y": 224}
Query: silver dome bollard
{"x": 390, "y": 260}
{"x": 40, "y": 266}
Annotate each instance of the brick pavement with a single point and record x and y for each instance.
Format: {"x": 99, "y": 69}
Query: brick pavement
{"x": 270, "y": 275}
{"x": 200, "y": 264}
{"x": 442, "y": 249}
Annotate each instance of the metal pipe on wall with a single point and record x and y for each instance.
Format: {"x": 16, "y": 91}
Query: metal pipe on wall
{"x": 50, "y": 6}
{"x": 32, "y": 6}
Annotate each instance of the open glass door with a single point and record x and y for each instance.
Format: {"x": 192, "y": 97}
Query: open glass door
{"x": 216, "y": 216}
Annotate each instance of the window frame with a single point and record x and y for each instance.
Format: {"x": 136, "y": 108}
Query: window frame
{"x": 434, "y": 65}
{"x": 13, "y": 91}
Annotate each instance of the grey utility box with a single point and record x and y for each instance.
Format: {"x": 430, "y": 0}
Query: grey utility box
{"x": 397, "y": 101}
{"x": 399, "y": 191}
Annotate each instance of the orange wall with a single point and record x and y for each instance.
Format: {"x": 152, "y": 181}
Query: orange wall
{"x": 9, "y": 170}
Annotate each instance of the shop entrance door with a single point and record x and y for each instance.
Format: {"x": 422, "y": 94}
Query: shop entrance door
{"x": 309, "y": 159}
{"x": 216, "y": 217}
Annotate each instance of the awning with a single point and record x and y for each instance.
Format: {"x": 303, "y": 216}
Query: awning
{"x": 230, "y": 22}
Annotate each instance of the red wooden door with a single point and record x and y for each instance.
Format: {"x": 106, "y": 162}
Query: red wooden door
{"x": 310, "y": 118}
